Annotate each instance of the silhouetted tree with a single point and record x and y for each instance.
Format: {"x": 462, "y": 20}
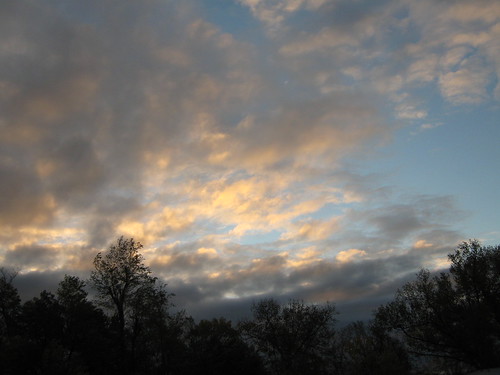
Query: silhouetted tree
{"x": 174, "y": 344}
{"x": 84, "y": 330}
{"x": 294, "y": 338}
{"x": 43, "y": 325}
{"x": 10, "y": 303}
{"x": 11, "y": 343}
{"x": 139, "y": 303}
{"x": 369, "y": 349}
{"x": 118, "y": 276}
{"x": 215, "y": 347}
{"x": 43, "y": 319}
{"x": 148, "y": 317}
{"x": 454, "y": 315}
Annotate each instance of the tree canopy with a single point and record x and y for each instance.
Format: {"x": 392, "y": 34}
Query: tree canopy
{"x": 295, "y": 338}
{"x": 455, "y": 315}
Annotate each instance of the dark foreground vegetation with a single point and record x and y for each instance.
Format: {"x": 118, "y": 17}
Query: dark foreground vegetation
{"x": 447, "y": 322}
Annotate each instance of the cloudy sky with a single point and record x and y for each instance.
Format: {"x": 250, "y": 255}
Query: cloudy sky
{"x": 313, "y": 149}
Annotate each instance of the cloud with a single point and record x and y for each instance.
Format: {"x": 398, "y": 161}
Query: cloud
{"x": 274, "y": 12}
{"x": 31, "y": 256}
{"x": 233, "y": 159}
{"x": 468, "y": 83}
{"x": 349, "y": 255}
{"x": 23, "y": 199}
{"x": 404, "y": 46}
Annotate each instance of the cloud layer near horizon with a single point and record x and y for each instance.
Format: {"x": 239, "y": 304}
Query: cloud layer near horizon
{"x": 231, "y": 156}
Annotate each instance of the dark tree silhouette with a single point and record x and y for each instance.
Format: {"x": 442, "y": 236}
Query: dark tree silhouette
{"x": 43, "y": 335}
{"x": 138, "y": 302}
{"x": 148, "y": 329}
{"x": 10, "y": 303}
{"x": 369, "y": 349}
{"x": 84, "y": 330}
{"x": 119, "y": 276}
{"x": 455, "y": 315}
{"x": 11, "y": 345}
{"x": 294, "y": 338}
{"x": 215, "y": 347}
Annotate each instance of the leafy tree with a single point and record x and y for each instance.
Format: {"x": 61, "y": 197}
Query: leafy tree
{"x": 455, "y": 315}
{"x": 294, "y": 338}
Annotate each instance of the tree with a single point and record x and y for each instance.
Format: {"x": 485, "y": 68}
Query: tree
{"x": 42, "y": 318}
{"x": 10, "y": 303}
{"x": 368, "y": 349}
{"x": 215, "y": 347}
{"x": 10, "y": 327}
{"x": 138, "y": 302}
{"x": 294, "y": 338}
{"x": 119, "y": 276}
{"x": 453, "y": 316}
{"x": 84, "y": 329}
{"x": 43, "y": 350}
{"x": 148, "y": 326}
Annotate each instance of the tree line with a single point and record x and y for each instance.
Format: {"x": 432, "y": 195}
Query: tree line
{"x": 449, "y": 322}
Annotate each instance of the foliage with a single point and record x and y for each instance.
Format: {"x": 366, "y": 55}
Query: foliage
{"x": 294, "y": 338}
{"x": 10, "y": 303}
{"x": 453, "y": 315}
{"x": 124, "y": 284}
{"x": 368, "y": 349}
{"x": 215, "y": 347}
{"x": 119, "y": 276}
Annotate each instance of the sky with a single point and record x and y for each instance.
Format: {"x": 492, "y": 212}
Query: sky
{"x": 323, "y": 150}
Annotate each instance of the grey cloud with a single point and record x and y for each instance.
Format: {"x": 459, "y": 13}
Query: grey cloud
{"x": 77, "y": 104}
{"x": 356, "y": 289}
{"x": 389, "y": 224}
{"x": 76, "y": 172}
{"x": 182, "y": 262}
{"x": 441, "y": 238}
{"x": 30, "y": 284}
{"x": 23, "y": 199}
{"x": 398, "y": 221}
{"x": 31, "y": 255}
{"x": 105, "y": 91}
